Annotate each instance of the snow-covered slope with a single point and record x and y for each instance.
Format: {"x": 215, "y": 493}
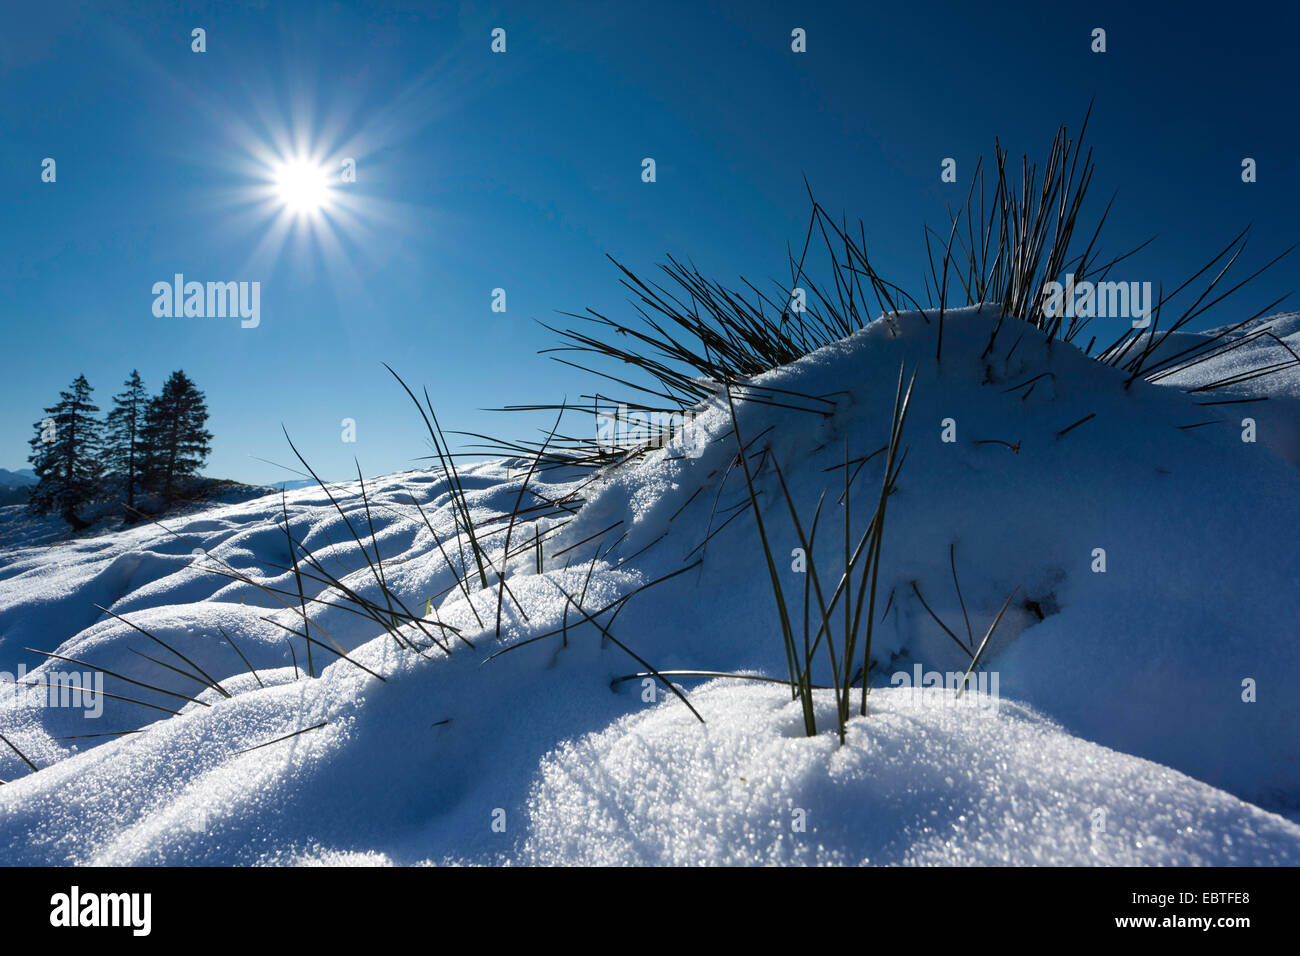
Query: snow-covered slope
{"x": 1141, "y": 705}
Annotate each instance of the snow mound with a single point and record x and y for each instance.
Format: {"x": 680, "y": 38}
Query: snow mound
{"x": 921, "y": 781}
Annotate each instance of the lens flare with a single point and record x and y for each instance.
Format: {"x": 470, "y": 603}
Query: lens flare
{"x": 302, "y": 186}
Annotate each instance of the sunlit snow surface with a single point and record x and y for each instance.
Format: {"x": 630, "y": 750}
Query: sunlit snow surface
{"x": 1122, "y": 735}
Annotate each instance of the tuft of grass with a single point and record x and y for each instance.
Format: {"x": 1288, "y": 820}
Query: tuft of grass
{"x": 691, "y": 334}
{"x": 863, "y": 560}
{"x": 203, "y": 678}
{"x": 514, "y": 513}
{"x": 448, "y": 462}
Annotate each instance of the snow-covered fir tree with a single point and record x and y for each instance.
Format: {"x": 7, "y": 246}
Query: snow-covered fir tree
{"x": 124, "y": 451}
{"x": 175, "y": 439}
{"x": 66, "y": 454}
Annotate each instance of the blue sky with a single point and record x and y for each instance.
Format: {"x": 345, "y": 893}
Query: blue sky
{"x": 522, "y": 170}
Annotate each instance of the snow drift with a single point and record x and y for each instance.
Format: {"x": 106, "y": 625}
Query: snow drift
{"x": 1147, "y": 712}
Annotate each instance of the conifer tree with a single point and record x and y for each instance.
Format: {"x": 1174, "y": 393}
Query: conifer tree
{"x": 174, "y": 436}
{"x": 65, "y": 455}
{"x": 124, "y": 451}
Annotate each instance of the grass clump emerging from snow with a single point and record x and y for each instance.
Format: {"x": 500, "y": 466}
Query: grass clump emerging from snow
{"x": 693, "y": 334}
{"x": 864, "y": 561}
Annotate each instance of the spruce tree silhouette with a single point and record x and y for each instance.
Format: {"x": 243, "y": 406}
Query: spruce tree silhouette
{"x": 124, "y": 451}
{"x": 175, "y": 439}
{"x": 66, "y": 455}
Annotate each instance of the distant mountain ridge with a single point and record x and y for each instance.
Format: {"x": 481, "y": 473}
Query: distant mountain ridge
{"x": 15, "y": 485}
{"x": 12, "y": 479}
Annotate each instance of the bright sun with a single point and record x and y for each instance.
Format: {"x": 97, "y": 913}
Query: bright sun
{"x": 302, "y": 186}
